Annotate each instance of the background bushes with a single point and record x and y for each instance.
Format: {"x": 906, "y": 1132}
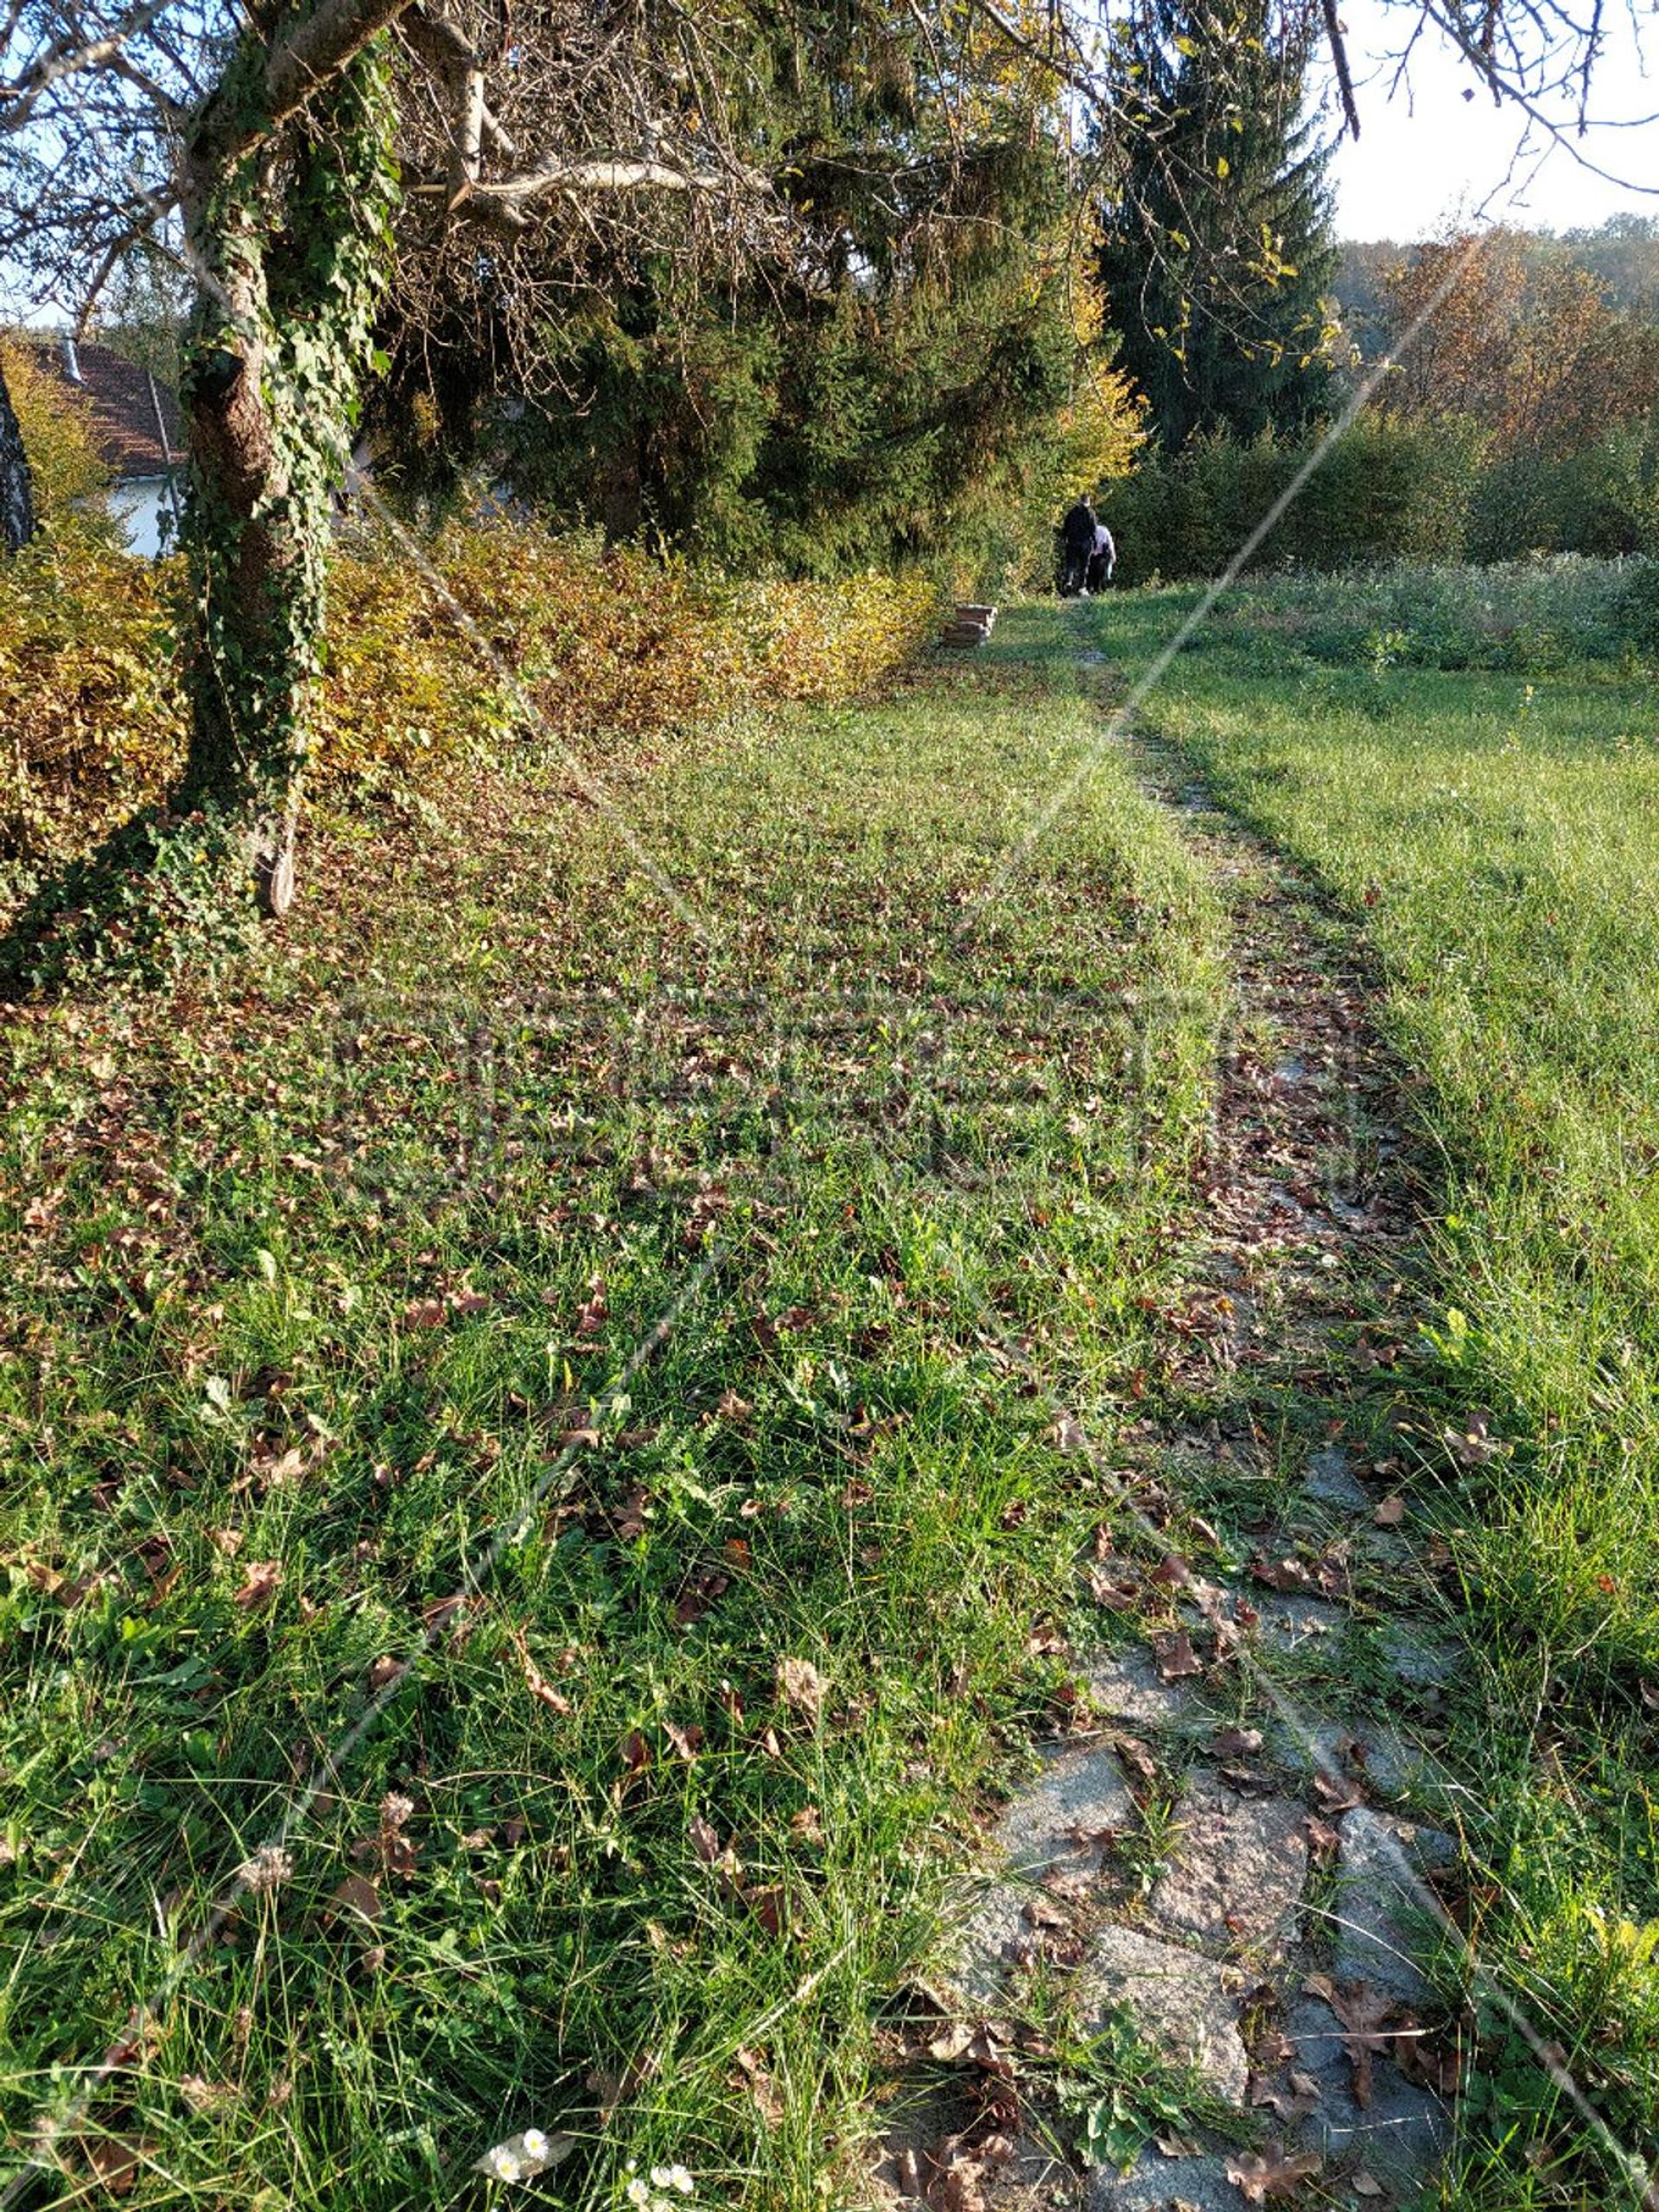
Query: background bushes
{"x": 1386, "y": 491}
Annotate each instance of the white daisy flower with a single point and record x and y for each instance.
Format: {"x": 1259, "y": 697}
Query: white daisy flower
{"x": 502, "y": 2165}
{"x": 679, "y": 2178}
{"x": 639, "y": 2192}
{"x": 535, "y": 2142}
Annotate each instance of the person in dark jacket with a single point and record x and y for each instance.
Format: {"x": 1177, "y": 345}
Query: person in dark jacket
{"x": 1077, "y": 547}
{"x": 1103, "y": 560}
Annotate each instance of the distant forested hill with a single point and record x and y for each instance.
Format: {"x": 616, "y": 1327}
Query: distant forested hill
{"x": 1623, "y": 255}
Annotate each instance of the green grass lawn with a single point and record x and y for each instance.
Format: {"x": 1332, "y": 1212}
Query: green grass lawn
{"x": 1497, "y": 839}
{"x": 530, "y": 1411}
{"x": 532, "y": 1430}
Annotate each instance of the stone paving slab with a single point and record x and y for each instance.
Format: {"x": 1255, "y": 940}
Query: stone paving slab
{"x": 1421, "y": 1658}
{"x": 1181, "y": 2002}
{"x": 1385, "y": 1759}
{"x": 1400, "y": 2134}
{"x": 1328, "y": 1478}
{"x": 1052, "y": 1838}
{"x": 1240, "y": 1867}
{"x": 1155, "y": 2184}
{"x": 1058, "y": 1821}
{"x": 1127, "y": 1685}
{"x": 1380, "y": 1915}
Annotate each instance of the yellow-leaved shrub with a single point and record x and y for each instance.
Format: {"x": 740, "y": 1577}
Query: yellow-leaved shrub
{"x": 455, "y": 652}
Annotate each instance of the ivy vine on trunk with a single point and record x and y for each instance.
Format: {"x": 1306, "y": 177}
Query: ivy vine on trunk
{"x": 291, "y": 239}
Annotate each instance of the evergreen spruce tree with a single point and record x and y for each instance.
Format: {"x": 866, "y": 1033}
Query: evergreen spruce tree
{"x": 1217, "y": 248}
{"x": 888, "y": 391}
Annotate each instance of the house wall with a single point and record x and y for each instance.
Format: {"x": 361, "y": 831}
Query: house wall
{"x": 143, "y": 507}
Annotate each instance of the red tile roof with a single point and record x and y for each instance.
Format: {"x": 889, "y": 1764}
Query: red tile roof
{"x": 124, "y": 415}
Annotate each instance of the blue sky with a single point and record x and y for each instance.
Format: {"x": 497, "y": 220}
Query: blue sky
{"x": 1427, "y": 155}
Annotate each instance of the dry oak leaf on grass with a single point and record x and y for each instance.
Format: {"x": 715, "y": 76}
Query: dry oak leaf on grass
{"x": 1272, "y": 2172}
{"x": 802, "y": 1687}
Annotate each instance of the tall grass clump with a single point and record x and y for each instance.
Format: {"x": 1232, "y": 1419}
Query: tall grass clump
{"x": 1527, "y": 616}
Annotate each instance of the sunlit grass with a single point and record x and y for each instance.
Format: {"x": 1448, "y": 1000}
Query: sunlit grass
{"x": 312, "y": 1272}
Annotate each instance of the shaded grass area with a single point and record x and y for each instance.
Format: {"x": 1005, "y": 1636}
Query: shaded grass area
{"x": 1498, "y": 841}
{"x": 645, "y": 1339}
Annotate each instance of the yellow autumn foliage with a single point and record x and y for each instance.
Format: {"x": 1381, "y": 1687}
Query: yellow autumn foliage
{"x": 490, "y": 636}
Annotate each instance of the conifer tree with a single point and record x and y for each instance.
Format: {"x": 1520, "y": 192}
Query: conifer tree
{"x": 1217, "y": 247}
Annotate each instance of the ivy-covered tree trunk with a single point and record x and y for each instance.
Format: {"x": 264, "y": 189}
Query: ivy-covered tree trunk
{"x": 291, "y": 245}
{"x": 16, "y": 487}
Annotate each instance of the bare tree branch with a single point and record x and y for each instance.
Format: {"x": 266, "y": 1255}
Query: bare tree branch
{"x": 299, "y": 65}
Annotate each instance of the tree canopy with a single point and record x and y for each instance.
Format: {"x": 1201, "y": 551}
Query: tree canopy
{"x": 1217, "y": 247}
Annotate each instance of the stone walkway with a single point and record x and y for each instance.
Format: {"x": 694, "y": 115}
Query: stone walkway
{"x": 1233, "y": 1858}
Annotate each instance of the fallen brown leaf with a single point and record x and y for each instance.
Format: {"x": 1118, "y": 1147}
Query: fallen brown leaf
{"x": 1361, "y": 2012}
{"x": 1273, "y": 2172}
{"x": 1285, "y": 1574}
{"x": 758, "y": 2081}
{"x": 1290, "y": 2110}
{"x": 259, "y": 1583}
{"x": 115, "y": 2159}
{"x": 356, "y": 1894}
{"x": 769, "y": 1907}
{"x": 537, "y": 1684}
{"x": 1175, "y": 1656}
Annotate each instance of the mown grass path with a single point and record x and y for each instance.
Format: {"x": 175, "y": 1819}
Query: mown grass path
{"x": 1229, "y": 1896}
{"x": 1465, "y": 852}
{"x": 529, "y": 1526}
{"x": 567, "y": 1441}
